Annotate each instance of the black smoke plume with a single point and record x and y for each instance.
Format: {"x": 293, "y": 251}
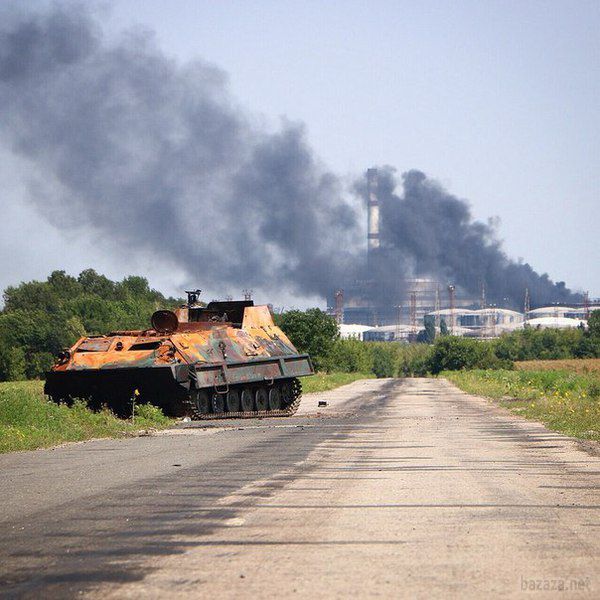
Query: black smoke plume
{"x": 432, "y": 233}
{"x": 157, "y": 157}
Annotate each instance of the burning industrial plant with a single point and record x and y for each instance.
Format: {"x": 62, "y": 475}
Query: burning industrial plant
{"x": 417, "y": 229}
{"x": 157, "y": 157}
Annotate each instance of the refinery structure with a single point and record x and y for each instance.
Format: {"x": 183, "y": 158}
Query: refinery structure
{"x": 370, "y": 310}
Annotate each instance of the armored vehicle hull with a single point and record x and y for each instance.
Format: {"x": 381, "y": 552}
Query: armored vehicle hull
{"x": 225, "y": 360}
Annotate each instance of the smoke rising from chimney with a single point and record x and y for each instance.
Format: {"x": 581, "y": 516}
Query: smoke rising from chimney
{"x": 157, "y": 157}
{"x": 433, "y": 233}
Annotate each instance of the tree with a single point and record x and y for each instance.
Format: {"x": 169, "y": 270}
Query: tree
{"x": 40, "y": 318}
{"x": 65, "y": 286}
{"x": 98, "y": 285}
{"x": 311, "y": 331}
{"x": 12, "y": 363}
{"x": 383, "y": 361}
{"x": 589, "y": 345}
{"x": 594, "y": 324}
{"x": 451, "y": 353}
{"x": 443, "y": 327}
{"x": 350, "y": 356}
{"x": 427, "y": 335}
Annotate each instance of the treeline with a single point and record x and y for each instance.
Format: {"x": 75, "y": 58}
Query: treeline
{"x": 40, "y": 318}
{"x": 315, "y": 332}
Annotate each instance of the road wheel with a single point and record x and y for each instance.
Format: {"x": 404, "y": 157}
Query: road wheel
{"x": 274, "y": 398}
{"x": 287, "y": 393}
{"x": 261, "y": 399}
{"x": 202, "y": 402}
{"x": 218, "y": 403}
{"x": 232, "y": 401}
{"x": 247, "y": 400}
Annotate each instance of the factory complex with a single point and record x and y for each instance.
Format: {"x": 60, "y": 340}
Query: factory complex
{"x": 371, "y": 310}
{"x": 479, "y": 323}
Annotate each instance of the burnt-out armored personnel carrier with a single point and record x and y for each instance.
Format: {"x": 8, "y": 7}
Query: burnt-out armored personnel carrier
{"x": 224, "y": 360}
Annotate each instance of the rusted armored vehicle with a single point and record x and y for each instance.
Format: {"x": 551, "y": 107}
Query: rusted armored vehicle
{"x": 224, "y": 360}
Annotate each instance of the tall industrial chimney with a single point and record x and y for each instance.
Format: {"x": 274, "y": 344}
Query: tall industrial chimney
{"x": 373, "y": 211}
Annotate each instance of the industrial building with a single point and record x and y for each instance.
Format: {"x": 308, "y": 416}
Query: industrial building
{"x": 551, "y": 311}
{"x": 395, "y": 310}
{"x": 555, "y": 323}
{"x": 353, "y": 332}
{"x": 404, "y": 302}
{"x": 482, "y": 322}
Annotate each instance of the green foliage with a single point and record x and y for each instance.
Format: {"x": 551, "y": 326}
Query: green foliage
{"x": 429, "y": 331}
{"x": 350, "y": 356}
{"x": 40, "y": 318}
{"x": 384, "y": 363}
{"x": 12, "y": 363}
{"x": 322, "y": 382}
{"x": 564, "y": 401}
{"x": 594, "y": 324}
{"x": 311, "y": 331}
{"x": 28, "y": 420}
{"x": 383, "y": 359}
{"x": 594, "y": 390}
{"x": 148, "y": 413}
{"x": 413, "y": 360}
{"x": 552, "y": 344}
{"x": 539, "y": 344}
{"x": 443, "y": 328}
{"x": 452, "y": 353}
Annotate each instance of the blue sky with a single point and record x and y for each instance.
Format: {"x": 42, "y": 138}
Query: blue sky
{"x": 499, "y": 101}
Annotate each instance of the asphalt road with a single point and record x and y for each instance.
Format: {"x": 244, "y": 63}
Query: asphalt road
{"x": 395, "y": 489}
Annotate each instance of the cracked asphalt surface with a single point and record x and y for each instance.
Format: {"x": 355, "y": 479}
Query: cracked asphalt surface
{"x": 397, "y": 488}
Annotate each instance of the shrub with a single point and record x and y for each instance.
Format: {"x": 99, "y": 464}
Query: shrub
{"x": 311, "y": 331}
{"x": 594, "y": 390}
{"x": 384, "y": 361}
{"x": 454, "y": 353}
{"x": 350, "y": 356}
{"x": 539, "y": 344}
{"x": 12, "y": 363}
{"x": 150, "y": 414}
{"x": 413, "y": 360}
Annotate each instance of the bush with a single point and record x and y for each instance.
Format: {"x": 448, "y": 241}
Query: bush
{"x": 547, "y": 344}
{"x": 12, "y": 363}
{"x": 594, "y": 390}
{"x": 384, "y": 363}
{"x": 413, "y": 360}
{"x": 150, "y": 415}
{"x": 383, "y": 359}
{"x": 311, "y": 331}
{"x": 350, "y": 356}
{"x": 452, "y": 353}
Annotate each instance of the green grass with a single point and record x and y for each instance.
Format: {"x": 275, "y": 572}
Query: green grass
{"x": 322, "y": 382}
{"x": 564, "y": 401}
{"x": 28, "y": 420}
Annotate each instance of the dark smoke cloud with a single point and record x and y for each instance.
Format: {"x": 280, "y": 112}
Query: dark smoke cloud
{"x": 156, "y": 156}
{"x": 432, "y": 233}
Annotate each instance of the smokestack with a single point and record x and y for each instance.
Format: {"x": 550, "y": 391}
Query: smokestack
{"x": 373, "y": 211}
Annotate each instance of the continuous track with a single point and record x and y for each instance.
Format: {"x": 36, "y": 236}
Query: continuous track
{"x": 289, "y": 410}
